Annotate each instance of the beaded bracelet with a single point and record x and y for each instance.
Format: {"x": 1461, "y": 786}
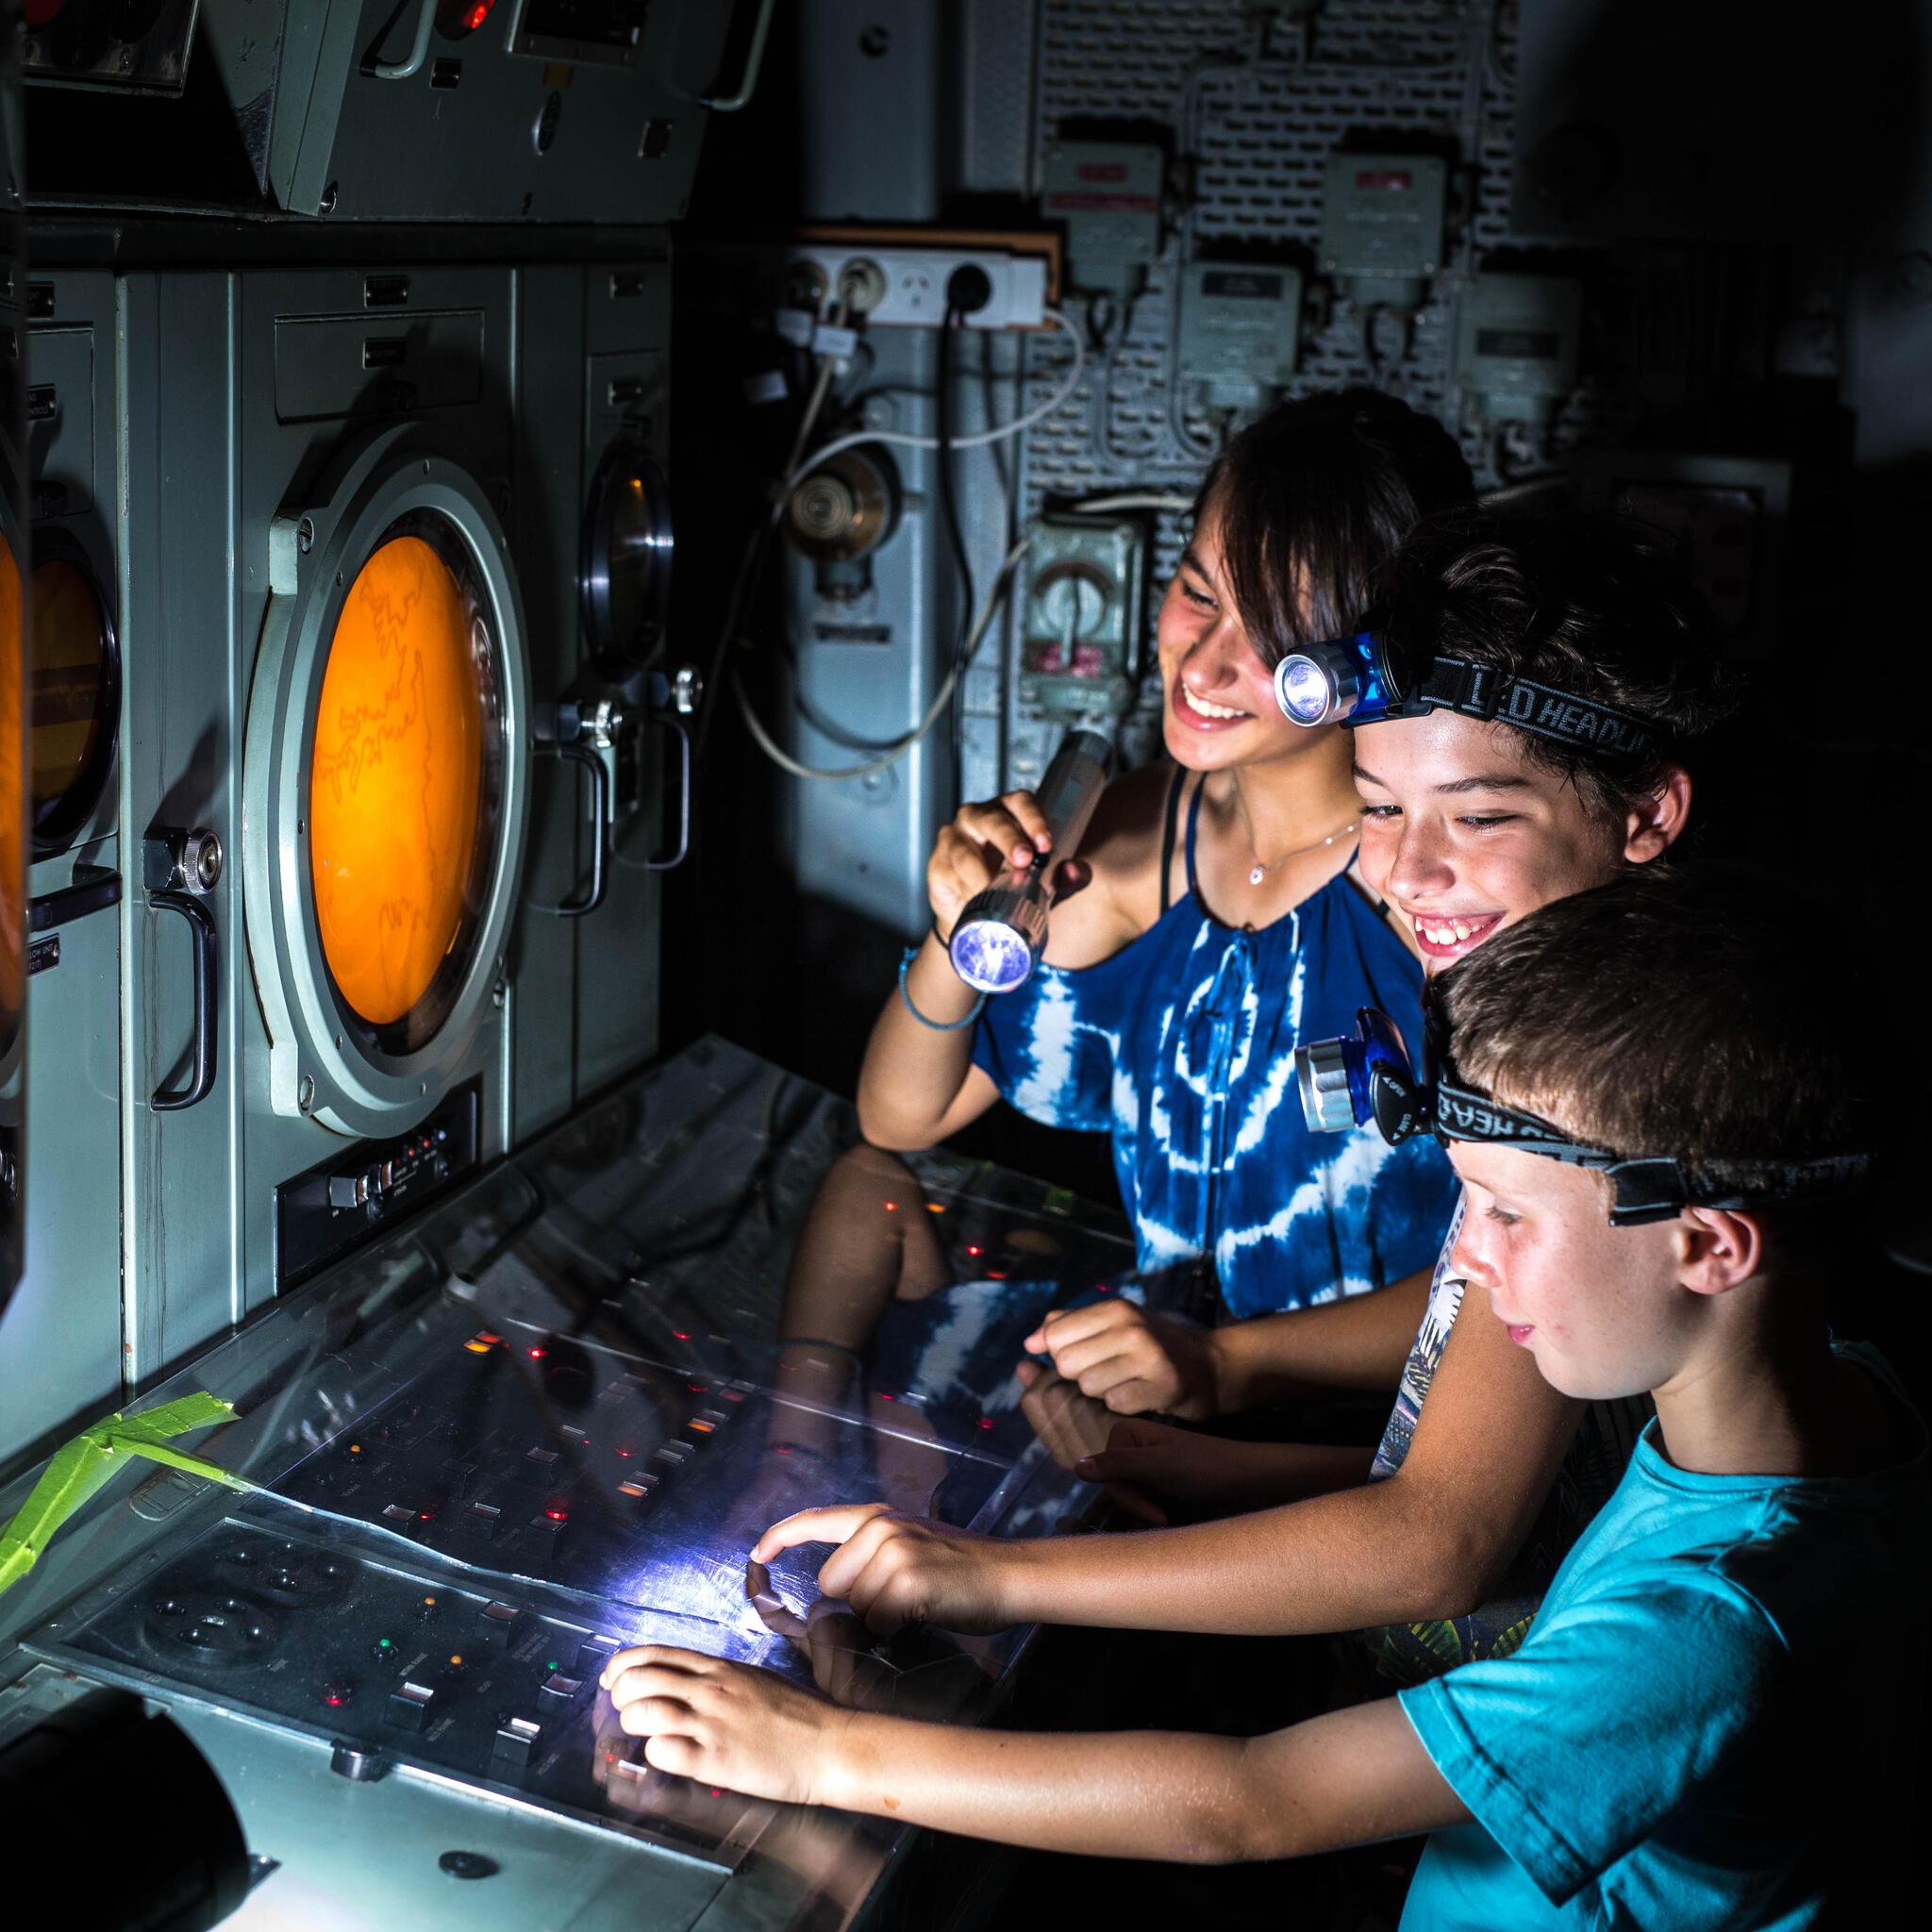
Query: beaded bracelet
{"x": 906, "y": 959}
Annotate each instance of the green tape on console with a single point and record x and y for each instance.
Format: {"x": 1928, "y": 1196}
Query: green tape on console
{"x": 96, "y": 1454}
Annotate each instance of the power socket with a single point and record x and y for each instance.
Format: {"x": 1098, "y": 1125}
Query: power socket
{"x": 906, "y": 288}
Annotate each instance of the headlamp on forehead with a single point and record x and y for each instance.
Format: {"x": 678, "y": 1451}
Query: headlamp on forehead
{"x": 1366, "y": 677}
{"x": 1367, "y": 1078}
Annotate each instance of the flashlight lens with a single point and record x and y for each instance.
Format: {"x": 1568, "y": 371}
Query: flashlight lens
{"x": 1304, "y": 690}
{"x": 990, "y": 956}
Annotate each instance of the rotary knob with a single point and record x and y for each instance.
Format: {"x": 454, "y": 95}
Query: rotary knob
{"x": 1321, "y": 1071}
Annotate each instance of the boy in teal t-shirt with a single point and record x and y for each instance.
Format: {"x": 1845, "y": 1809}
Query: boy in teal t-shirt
{"x": 1659, "y": 1095}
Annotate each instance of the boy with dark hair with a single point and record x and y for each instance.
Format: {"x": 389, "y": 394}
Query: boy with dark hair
{"x": 1652, "y": 1092}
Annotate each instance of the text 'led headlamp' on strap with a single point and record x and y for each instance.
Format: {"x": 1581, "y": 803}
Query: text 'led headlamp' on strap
{"x": 1367, "y": 1077}
{"x": 1363, "y": 680}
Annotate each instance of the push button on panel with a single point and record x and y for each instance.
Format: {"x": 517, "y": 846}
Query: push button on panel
{"x": 498, "y": 1620}
{"x": 410, "y": 1706}
{"x": 559, "y": 1692}
{"x": 516, "y": 1741}
{"x": 593, "y": 1653}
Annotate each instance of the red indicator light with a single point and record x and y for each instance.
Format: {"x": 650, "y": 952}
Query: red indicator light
{"x": 986, "y": 1421}
{"x": 1104, "y": 1290}
{"x": 884, "y": 1397}
{"x": 484, "y": 1335}
{"x": 336, "y": 1701}
{"x": 625, "y": 1454}
{"x": 996, "y": 1273}
{"x": 784, "y": 1448}
{"x": 891, "y": 1206}
{"x": 426, "y": 1516}
{"x": 537, "y": 1355}
{"x": 699, "y": 1388}
{"x": 558, "y": 1515}
{"x": 479, "y": 14}
{"x": 971, "y": 1249}
{"x": 679, "y": 1335}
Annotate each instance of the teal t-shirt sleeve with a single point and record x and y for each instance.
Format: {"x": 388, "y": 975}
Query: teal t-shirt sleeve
{"x": 1611, "y": 1716}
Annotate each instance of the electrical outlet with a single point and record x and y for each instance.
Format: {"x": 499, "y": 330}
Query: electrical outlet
{"x": 906, "y": 288}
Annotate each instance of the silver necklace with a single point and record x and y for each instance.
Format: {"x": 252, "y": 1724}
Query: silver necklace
{"x": 1259, "y": 872}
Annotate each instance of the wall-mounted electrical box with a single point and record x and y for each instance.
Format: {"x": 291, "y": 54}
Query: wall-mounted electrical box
{"x": 1081, "y": 622}
{"x": 1516, "y": 340}
{"x": 1240, "y": 328}
{"x": 1382, "y": 217}
{"x": 1107, "y": 193}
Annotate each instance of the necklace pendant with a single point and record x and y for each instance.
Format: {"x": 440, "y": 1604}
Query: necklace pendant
{"x": 1257, "y": 875}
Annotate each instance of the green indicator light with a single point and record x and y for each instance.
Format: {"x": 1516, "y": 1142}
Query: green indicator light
{"x": 550, "y": 1665}
{"x": 383, "y": 1643}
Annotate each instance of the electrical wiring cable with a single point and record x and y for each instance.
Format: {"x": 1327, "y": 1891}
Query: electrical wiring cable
{"x": 897, "y": 748}
{"x": 979, "y": 437}
{"x": 934, "y": 712}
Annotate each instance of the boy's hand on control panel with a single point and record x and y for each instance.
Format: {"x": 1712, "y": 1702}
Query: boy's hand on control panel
{"x": 899, "y": 1570}
{"x": 725, "y": 1724}
{"x": 1132, "y": 1359}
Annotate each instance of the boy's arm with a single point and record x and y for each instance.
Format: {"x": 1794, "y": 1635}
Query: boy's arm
{"x": 1135, "y": 1360}
{"x": 1344, "y": 1778}
{"x": 1429, "y": 1541}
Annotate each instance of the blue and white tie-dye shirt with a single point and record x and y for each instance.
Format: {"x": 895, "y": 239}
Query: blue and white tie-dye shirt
{"x": 1182, "y": 1047}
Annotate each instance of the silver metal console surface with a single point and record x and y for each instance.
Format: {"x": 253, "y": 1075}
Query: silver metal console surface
{"x": 547, "y": 1419}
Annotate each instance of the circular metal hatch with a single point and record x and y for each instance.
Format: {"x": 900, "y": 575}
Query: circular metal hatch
{"x": 74, "y": 677}
{"x": 623, "y": 569}
{"x": 384, "y": 793}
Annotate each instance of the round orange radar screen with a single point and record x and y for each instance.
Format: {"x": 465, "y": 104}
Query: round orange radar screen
{"x": 395, "y": 790}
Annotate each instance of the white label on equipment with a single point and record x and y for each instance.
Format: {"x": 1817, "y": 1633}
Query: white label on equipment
{"x": 836, "y": 342}
{"x": 767, "y": 386}
{"x": 795, "y": 325}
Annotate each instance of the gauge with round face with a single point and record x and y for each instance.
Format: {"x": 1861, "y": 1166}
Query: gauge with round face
{"x": 404, "y": 782}
{"x": 76, "y": 678}
{"x": 626, "y": 566}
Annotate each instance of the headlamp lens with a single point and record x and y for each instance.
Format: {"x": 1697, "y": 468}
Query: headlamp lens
{"x": 1304, "y": 691}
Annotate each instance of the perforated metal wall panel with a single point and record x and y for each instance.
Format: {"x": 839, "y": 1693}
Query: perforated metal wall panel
{"x": 1258, "y": 118}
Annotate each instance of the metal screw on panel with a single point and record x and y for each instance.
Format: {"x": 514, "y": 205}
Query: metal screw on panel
{"x": 498, "y": 993}
{"x": 326, "y": 206}
{"x": 304, "y": 535}
{"x": 687, "y": 689}
{"x": 305, "y": 1093}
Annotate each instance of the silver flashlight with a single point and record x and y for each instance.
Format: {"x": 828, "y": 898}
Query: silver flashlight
{"x": 1001, "y": 933}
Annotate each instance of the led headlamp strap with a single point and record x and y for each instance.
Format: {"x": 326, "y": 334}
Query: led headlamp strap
{"x": 1478, "y": 690}
{"x": 1650, "y": 1187}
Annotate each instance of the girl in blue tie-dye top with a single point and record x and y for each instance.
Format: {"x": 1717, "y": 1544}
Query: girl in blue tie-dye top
{"x": 1182, "y": 970}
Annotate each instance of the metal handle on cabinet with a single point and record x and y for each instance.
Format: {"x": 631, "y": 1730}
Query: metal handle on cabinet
{"x": 177, "y": 867}
{"x": 592, "y": 895}
{"x": 412, "y": 61}
{"x": 754, "y": 60}
{"x": 673, "y": 722}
